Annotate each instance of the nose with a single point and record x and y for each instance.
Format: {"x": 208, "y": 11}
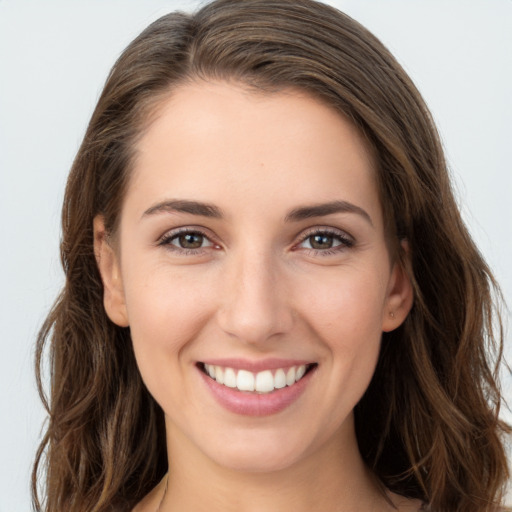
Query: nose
{"x": 255, "y": 304}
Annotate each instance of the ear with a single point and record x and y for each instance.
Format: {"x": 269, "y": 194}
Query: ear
{"x": 110, "y": 271}
{"x": 400, "y": 294}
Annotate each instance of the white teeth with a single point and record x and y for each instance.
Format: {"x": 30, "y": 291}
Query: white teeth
{"x": 280, "y": 379}
{"x": 261, "y": 382}
{"x": 219, "y": 375}
{"x": 230, "y": 378}
{"x": 290, "y": 376}
{"x": 244, "y": 380}
{"x": 264, "y": 382}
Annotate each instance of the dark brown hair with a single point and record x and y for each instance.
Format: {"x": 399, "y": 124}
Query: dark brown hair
{"x": 428, "y": 424}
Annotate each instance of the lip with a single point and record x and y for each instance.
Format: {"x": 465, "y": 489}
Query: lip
{"x": 254, "y": 404}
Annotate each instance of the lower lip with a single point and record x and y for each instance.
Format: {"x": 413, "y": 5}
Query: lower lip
{"x": 255, "y": 404}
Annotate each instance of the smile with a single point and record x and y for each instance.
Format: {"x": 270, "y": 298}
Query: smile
{"x": 256, "y": 388}
{"x": 262, "y": 382}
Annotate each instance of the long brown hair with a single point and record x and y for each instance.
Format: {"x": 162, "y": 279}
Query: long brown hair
{"x": 428, "y": 424}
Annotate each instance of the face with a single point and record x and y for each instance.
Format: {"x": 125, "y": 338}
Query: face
{"x": 252, "y": 267}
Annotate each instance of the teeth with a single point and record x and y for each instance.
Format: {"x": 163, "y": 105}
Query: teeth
{"x": 244, "y": 381}
{"x": 301, "y": 370}
{"x": 230, "y": 378}
{"x": 219, "y": 375}
{"x": 290, "y": 376}
{"x": 280, "y": 379}
{"x": 265, "y": 381}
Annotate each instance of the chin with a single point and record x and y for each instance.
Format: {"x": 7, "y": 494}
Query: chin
{"x": 265, "y": 450}
{"x": 257, "y": 460}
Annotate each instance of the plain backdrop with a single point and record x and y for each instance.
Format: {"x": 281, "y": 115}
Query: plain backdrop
{"x": 54, "y": 58}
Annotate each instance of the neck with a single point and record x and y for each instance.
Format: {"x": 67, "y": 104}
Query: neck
{"x": 333, "y": 478}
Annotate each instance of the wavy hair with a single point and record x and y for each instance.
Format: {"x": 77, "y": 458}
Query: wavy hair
{"x": 428, "y": 424}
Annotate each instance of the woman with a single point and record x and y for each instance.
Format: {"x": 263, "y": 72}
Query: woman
{"x": 271, "y": 299}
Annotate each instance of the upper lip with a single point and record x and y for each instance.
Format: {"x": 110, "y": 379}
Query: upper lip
{"x": 256, "y": 365}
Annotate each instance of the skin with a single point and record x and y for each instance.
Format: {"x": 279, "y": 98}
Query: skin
{"x": 256, "y": 287}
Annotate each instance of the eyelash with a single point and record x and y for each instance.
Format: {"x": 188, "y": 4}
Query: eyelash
{"x": 167, "y": 239}
{"x": 346, "y": 242}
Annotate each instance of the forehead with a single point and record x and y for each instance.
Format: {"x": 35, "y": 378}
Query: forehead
{"x": 220, "y": 141}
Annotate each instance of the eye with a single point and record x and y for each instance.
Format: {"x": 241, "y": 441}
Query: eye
{"x": 186, "y": 240}
{"x": 190, "y": 240}
{"x": 326, "y": 241}
{"x": 321, "y": 241}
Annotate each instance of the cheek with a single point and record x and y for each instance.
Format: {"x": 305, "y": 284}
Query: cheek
{"x": 166, "y": 313}
{"x": 351, "y": 304}
{"x": 347, "y": 317}
{"x": 166, "y": 310}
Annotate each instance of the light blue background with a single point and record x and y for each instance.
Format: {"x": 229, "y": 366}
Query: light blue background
{"x": 54, "y": 57}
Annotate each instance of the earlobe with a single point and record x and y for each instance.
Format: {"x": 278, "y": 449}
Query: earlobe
{"x": 108, "y": 265}
{"x": 400, "y": 296}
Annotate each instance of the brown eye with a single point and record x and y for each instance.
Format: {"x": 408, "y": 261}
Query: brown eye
{"x": 186, "y": 242}
{"x": 321, "y": 241}
{"x": 189, "y": 240}
{"x": 326, "y": 241}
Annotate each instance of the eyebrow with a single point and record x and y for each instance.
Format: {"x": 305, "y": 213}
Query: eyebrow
{"x": 295, "y": 215}
{"x": 185, "y": 206}
{"x": 320, "y": 210}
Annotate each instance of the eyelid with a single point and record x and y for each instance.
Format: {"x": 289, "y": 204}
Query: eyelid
{"x": 171, "y": 234}
{"x": 347, "y": 240}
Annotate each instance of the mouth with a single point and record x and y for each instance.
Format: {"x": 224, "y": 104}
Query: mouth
{"x": 262, "y": 382}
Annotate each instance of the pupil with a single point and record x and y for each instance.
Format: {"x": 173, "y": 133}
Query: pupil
{"x": 321, "y": 241}
{"x": 191, "y": 241}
